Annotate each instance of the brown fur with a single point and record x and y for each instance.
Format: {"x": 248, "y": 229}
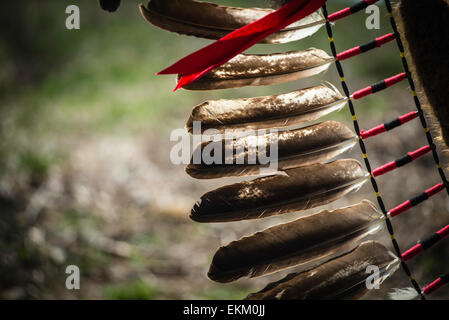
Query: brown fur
{"x": 425, "y": 25}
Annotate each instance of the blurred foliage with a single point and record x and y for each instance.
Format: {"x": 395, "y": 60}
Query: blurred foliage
{"x": 57, "y": 83}
{"x": 136, "y": 290}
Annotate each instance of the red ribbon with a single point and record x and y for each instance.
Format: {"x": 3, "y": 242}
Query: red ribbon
{"x": 197, "y": 64}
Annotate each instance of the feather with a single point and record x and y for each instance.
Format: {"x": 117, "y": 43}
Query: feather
{"x": 341, "y": 278}
{"x": 298, "y": 189}
{"x": 212, "y": 21}
{"x": 200, "y": 62}
{"x": 248, "y": 155}
{"x": 403, "y": 294}
{"x": 428, "y": 49}
{"x": 267, "y": 112}
{"x": 306, "y": 242}
{"x": 263, "y": 69}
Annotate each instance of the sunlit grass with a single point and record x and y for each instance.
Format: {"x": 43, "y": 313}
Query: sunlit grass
{"x": 135, "y": 290}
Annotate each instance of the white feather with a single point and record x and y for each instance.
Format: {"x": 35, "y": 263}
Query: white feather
{"x": 403, "y": 294}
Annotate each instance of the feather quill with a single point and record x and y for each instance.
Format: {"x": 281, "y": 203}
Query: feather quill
{"x": 306, "y": 243}
{"x": 298, "y": 189}
{"x": 341, "y": 278}
{"x": 263, "y": 69}
{"x": 248, "y": 155}
{"x": 277, "y": 111}
{"x": 212, "y": 21}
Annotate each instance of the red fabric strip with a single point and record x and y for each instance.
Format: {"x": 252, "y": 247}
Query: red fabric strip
{"x": 388, "y": 82}
{"x": 358, "y": 50}
{"x": 384, "y": 169}
{"x": 412, "y": 252}
{"x": 401, "y": 208}
{"x": 373, "y": 132}
{"x": 392, "y": 165}
{"x": 385, "y": 39}
{"x": 345, "y": 12}
{"x": 434, "y": 190}
{"x": 408, "y": 205}
{"x": 362, "y": 93}
{"x": 339, "y": 14}
{"x": 419, "y": 153}
{"x": 212, "y": 56}
{"x": 349, "y": 53}
{"x": 443, "y": 233}
{"x": 395, "y": 79}
{"x": 381, "y": 128}
{"x": 418, "y": 248}
{"x": 434, "y": 286}
{"x": 408, "y": 117}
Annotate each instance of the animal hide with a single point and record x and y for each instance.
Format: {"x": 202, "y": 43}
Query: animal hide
{"x": 425, "y": 26}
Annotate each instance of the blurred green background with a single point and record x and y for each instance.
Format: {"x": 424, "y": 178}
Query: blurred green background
{"x": 85, "y": 175}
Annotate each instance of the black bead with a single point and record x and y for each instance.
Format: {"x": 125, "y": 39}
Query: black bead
{"x": 110, "y": 5}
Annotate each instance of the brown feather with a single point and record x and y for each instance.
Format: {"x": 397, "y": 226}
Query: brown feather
{"x": 299, "y": 189}
{"x": 264, "y": 69}
{"x": 341, "y": 278}
{"x": 306, "y": 242}
{"x": 277, "y": 111}
{"x": 213, "y": 21}
{"x": 316, "y": 143}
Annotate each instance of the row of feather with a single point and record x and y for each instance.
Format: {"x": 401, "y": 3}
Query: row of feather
{"x": 324, "y": 247}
